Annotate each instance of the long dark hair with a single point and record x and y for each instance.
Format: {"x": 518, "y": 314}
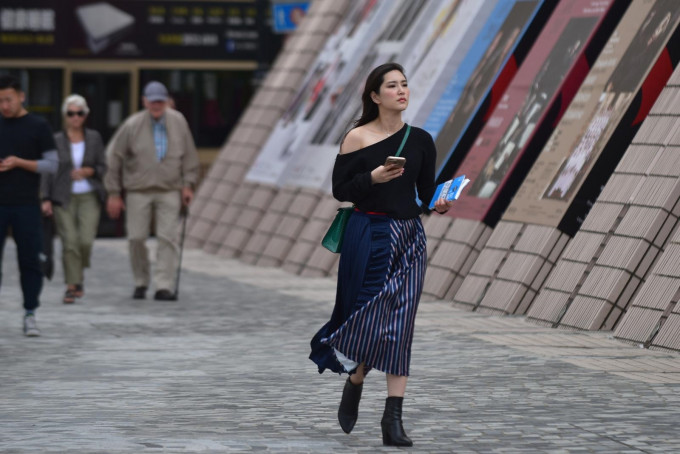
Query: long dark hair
{"x": 373, "y": 83}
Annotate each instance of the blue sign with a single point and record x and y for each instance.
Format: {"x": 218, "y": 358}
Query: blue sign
{"x": 287, "y": 16}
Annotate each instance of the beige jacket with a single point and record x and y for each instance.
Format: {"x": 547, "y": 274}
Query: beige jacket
{"x": 132, "y": 162}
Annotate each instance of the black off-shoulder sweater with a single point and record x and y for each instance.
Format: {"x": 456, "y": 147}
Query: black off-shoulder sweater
{"x": 396, "y": 198}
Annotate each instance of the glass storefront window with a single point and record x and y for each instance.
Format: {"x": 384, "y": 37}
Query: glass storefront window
{"x": 43, "y": 88}
{"x": 211, "y": 101}
{"x": 107, "y": 95}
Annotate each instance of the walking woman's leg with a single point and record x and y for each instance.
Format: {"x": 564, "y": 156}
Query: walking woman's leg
{"x": 396, "y": 385}
{"x": 357, "y": 377}
{"x": 67, "y": 228}
{"x": 392, "y": 427}
{"x": 88, "y": 222}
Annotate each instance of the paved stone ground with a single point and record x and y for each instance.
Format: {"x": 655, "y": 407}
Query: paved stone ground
{"x": 226, "y": 370}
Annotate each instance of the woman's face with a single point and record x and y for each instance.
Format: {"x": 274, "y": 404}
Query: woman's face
{"x": 394, "y": 92}
{"x": 75, "y": 116}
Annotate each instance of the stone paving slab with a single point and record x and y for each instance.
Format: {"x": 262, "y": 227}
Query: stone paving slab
{"x": 225, "y": 369}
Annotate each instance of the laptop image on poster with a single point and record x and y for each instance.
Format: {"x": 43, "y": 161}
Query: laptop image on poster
{"x": 103, "y": 24}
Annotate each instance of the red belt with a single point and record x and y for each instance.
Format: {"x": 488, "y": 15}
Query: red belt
{"x": 379, "y": 213}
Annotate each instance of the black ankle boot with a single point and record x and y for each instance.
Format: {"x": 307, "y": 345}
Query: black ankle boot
{"x": 349, "y": 405}
{"x": 392, "y": 427}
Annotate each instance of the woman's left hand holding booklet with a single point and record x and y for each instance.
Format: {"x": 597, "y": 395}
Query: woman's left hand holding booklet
{"x": 449, "y": 190}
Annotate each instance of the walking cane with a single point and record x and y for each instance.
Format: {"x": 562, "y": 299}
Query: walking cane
{"x": 184, "y": 213}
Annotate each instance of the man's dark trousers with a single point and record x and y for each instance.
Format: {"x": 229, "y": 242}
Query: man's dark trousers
{"x": 26, "y": 223}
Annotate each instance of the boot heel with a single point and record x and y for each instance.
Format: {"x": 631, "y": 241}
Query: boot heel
{"x": 387, "y": 440}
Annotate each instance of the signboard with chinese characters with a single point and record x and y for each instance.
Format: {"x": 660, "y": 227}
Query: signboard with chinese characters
{"x": 149, "y": 29}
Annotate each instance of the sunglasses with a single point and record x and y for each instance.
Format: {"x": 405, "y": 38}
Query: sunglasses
{"x": 70, "y": 113}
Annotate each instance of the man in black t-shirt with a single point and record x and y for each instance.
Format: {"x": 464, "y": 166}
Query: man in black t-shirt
{"x": 27, "y": 149}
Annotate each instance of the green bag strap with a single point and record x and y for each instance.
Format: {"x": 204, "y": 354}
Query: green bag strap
{"x": 401, "y": 147}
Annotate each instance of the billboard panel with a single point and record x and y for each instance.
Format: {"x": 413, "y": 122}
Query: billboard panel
{"x": 428, "y": 77}
{"x": 313, "y": 164}
{"x": 435, "y": 55}
{"x": 533, "y": 104}
{"x": 604, "y": 114}
{"x": 347, "y": 106}
{"x": 342, "y": 52}
{"x": 467, "y": 89}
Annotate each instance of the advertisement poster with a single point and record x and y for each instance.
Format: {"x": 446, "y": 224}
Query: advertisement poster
{"x": 148, "y": 29}
{"x": 428, "y": 76}
{"x": 277, "y": 150}
{"x": 602, "y": 102}
{"x": 314, "y": 160}
{"x": 341, "y": 54}
{"x": 544, "y": 84}
{"x": 480, "y": 67}
{"x": 453, "y": 23}
{"x": 417, "y": 22}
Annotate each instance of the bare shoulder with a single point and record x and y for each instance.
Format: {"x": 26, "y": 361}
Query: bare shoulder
{"x": 353, "y": 141}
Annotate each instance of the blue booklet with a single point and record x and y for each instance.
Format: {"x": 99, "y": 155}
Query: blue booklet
{"x": 449, "y": 190}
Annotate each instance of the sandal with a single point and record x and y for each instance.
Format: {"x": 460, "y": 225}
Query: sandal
{"x": 69, "y": 296}
{"x": 79, "y": 291}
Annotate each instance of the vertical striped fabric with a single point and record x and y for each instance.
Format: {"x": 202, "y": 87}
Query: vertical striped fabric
{"x": 160, "y": 138}
{"x": 380, "y": 279}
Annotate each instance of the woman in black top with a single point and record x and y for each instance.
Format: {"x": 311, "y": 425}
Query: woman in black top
{"x": 383, "y": 257}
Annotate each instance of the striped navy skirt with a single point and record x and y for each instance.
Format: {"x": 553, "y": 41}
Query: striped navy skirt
{"x": 380, "y": 279}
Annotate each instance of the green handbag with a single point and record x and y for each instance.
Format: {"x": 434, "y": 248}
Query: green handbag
{"x": 336, "y": 232}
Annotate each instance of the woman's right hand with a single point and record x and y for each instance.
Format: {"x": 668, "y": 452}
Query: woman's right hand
{"x": 46, "y": 208}
{"x": 383, "y": 174}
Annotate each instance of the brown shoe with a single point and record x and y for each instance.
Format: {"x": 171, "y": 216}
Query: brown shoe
{"x": 79, "y": 291}
{"x": 69, "y": 296}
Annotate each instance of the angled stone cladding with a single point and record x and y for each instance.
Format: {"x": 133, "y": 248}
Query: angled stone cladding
{"x": 548, "y": 206}
{"x": 511, "y": 268}
{"x": 306, "y": 256}
{"x": 454, "y": 254}
{"x": 610, "y": 262}
{"x": 216, "y": 210}
{"x": 653, "y": 165}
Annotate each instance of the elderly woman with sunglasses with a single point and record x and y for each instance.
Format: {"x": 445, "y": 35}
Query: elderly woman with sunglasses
{"x": 74, "y": 194}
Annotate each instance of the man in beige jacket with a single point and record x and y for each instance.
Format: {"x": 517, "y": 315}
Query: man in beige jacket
{"x": 152, "y": 157}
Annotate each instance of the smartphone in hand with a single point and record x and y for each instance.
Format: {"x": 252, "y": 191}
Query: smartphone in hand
{"x": 395, "y": 161}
